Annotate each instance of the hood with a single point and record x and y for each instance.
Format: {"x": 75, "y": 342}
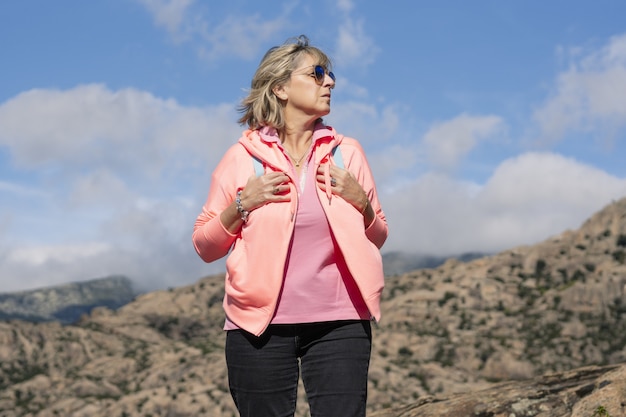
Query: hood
{"x": 264, "y": 144}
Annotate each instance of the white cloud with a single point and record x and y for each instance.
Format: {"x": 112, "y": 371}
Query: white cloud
{"x": 19, "y": 190}
{"x": 36, "y": 266}
{"x": 128, "y": 130}
{"x": 99, "y": 188}
{"x": 240, "y": 36}
{"x": 214, "y": 39}
{"x": 117, "y": 179}
{"x": 366, "y": 122}
{"x": 387, "y": 164}
{"x": 38, "y": 255}
{"x": 590, "y": 96}
{"x": 354, "y": 47}
{"x": 345, "y": 6}
{"x": 448, "y": 142}
{"x": 539, "y": 179}
{"x": 351, "y": 89}
{"x": 147, "y": 239}
{"x": 527, "y": 199}
{"x": 169, "y": 14}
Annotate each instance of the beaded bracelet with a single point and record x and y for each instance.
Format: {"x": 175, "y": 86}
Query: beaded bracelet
{"x": 240, "y": 209}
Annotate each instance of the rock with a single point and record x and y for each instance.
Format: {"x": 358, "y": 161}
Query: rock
{"x": 577, "y": 393}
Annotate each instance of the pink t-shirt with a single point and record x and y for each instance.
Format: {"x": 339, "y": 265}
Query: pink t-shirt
{"x": 317, "y": 285}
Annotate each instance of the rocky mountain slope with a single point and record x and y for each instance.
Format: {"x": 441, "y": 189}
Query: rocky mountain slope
{"x": 66, "y": 303}
{"x": 485, "y": 327}
{"x": 584, "y": 392}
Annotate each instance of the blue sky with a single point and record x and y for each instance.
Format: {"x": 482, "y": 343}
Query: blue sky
{"x": 488, "y": 124}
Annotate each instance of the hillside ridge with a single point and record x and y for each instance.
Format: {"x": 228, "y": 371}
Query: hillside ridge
{"x": 66, "y": 302}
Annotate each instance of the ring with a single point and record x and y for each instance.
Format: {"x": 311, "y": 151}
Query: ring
{"x": 333, "y": 182}
{"x": 275, "y": 190}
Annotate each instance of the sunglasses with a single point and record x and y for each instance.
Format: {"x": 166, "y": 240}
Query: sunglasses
{"x": 319, "y": 73}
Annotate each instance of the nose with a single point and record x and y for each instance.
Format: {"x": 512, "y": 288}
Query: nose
{"x": 329, "y": 80}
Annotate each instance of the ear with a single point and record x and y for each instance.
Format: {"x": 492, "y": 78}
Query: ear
{"x": 279, "y": 91}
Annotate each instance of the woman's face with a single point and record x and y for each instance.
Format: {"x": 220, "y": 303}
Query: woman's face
{"x": 303, "y": 95}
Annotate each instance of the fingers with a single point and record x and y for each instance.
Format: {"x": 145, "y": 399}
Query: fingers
{"x": 334, "y": 170}
{"x": 268, "y": 182}
{"x": 342, "y": 183}
{"x": 279, "y": 189}
{"x": 275, "y": 187}
{"x": 339, "y": 178}
{"x": 267, "y": 188}
{"x": 275, "y": 176}
{"x": 277, "y": 184}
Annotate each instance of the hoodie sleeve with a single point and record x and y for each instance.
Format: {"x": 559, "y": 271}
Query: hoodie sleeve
{"x": 210, "y": 238}
{"x": 356, "y": 162}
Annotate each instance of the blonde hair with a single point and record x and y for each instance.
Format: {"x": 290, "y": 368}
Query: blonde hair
{"x": 261, "y": 107}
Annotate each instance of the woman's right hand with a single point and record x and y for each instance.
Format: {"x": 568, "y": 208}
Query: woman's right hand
{"x": 268, "y": 188}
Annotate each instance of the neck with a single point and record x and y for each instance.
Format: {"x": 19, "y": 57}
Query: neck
{"x": 297, "y": 144}
{"x": 297, "y": 140}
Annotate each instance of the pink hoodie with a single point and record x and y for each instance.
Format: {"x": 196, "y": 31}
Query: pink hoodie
{"x": 255, "y": 267}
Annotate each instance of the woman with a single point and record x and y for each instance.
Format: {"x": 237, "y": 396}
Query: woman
{"x": 304, "y": 277}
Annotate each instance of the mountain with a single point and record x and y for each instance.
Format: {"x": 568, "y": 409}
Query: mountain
{"x": 397, "y": 263}
{"x": 524, "y": 326}
{"x": 66, "y": 303}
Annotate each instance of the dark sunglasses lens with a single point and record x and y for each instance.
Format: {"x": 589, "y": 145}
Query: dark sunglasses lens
{"x": 319, "y": 74}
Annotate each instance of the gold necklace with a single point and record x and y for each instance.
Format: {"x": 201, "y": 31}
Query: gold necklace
{"x": 296, "y": 162}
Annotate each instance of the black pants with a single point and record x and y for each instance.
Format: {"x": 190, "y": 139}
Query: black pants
{"x": 334, "y": 358}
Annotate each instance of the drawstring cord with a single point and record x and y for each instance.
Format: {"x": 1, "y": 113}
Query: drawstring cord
{"x": 294, "y": 201}
{"x": 327, "y": 178}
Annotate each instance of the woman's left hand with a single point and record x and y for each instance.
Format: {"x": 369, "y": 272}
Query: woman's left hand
{"x": 344, "y": 185}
